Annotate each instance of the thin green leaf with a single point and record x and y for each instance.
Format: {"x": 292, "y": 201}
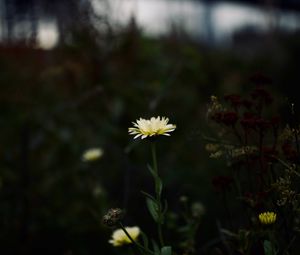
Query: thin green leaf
{"x": 158, "y": 182}
{"x": 229, "y": 233}
{"x": 269, "y": 250}
{"x": 145, "y": 240}
{"x": 153, "y": 208}
{"x": 148, "y": 195}
{"x": 152, "y": 171}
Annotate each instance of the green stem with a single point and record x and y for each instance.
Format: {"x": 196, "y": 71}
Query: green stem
{"x": 141, "y": 248}
{"x": 153, "y": 150}
{"x": 272, "y": 240}
{"x": 158, "y": 195}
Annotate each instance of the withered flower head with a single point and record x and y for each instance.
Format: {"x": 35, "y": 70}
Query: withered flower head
{"x": 113, "y": 217}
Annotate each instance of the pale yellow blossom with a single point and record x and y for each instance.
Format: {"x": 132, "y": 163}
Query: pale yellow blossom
{"x": 120, "y": 238}
{"x": 92, "y": 154}
{"x": 151, "y": 127}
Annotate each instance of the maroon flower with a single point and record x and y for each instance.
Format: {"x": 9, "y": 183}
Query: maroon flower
{"x": 249, "y": 120}
{"x": 234, "y": 100}
{"x": 228, "y": 118}
{"x": 261, "y": 94}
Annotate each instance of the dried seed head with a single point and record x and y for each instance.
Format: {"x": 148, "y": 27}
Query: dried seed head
{"x": 113, "y": 217}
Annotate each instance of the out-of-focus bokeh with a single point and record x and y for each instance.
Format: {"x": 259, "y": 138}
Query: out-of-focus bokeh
{"x": 74, "y": 74}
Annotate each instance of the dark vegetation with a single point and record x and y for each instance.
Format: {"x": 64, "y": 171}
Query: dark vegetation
{"x": 85, "y": 92}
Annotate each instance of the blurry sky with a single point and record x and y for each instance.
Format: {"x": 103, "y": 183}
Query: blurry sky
{"x": 46, "y": 22}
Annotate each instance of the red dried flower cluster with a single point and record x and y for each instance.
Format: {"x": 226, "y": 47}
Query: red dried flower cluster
{"x": 252, "y": 121}
{"x": 247, "y": 110}
{"x": 228, "y": 118}
{"x": 244, "y": 119}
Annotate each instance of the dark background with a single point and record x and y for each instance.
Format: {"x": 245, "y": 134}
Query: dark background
{"x": 85, "y": 87}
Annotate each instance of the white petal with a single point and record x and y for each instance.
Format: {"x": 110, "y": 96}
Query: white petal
{"x": 138, "y": 135}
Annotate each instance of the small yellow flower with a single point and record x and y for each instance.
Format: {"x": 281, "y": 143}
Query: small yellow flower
{"x": 267, "y": 218}
{"x": 119, "y": 237}
{"x": 92, "y": 154}
{"x": 152, "y": 127}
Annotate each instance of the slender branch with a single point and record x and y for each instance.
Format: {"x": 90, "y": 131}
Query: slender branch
{"x": 290, "y": 168}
